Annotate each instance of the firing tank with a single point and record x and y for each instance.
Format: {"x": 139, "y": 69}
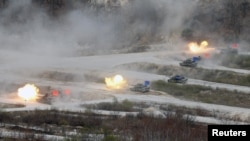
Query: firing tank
{"x": 141, "y": 87}
{"x": 51, "y": 95}
{"x": 177, "y": 79}
{"x": 189, "y": 63}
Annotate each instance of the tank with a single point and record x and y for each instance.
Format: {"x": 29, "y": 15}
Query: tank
{"x": 50, "y": 95}
{"x": 140, "y": 88}
{"x": 177, "y": 79}
{"x": 189, "y": 63}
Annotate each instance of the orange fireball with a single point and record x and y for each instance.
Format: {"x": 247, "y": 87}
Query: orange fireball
{"x": 199, "y": 48}
{"x": 28, "y": 92}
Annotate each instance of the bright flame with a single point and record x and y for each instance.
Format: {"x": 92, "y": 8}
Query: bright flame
{"x": 193, "y": 47}
{"x": 202, "y": 48}
{"x": 204, "y": 44}
{"x": 116, "y": 82}
{"x": 28, "y": 92}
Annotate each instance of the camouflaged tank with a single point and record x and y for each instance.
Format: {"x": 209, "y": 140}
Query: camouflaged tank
{"x": 189, "y": 63}
{"x": 140, "y": 88}
{"x": 177, "y": 79}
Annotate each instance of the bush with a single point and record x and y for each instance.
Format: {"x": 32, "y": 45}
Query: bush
{"x": 125, "y": 105}
{"x": 5, "y": 117}
{"x": 203, "y": 94}
{"x": 110, "y": 138}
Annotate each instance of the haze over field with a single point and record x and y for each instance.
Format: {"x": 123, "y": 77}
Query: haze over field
{"x": 71, "y": 55}
{"x": 28, "y": 28}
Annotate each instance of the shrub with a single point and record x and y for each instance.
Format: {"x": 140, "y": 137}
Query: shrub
{"x": 125, "y": 105}
{"x": 110, "y": 138}
{"x": 203, "y": 94}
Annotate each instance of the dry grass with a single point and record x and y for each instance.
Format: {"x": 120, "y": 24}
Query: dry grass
{"x": 135, "y": 128}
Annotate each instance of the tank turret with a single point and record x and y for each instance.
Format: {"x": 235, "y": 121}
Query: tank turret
{"x": 141, "y": 87}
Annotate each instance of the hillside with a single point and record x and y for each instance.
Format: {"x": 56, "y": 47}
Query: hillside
{"x": 218, "y": 21}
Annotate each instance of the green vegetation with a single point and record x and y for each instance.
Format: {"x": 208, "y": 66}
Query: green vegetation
{"x": 57, "y": 76}
{"x": 236, "y": 61}
{"x": 93, "y": 77}
{"x": 219, "y": 76}
{"x": 204, "y": 94}
{"x": 186, "y": 110}
{"x": 125, "y": 105}
{"x": 110, "y": 138}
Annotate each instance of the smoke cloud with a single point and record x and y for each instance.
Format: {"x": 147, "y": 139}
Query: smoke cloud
{"x": 26, "y": 27}
{"x": 33, "y": 38}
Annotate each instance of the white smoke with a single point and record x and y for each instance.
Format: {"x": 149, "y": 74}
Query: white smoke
{"x": 31, "y": 39}
{"x": 28, "y": 28}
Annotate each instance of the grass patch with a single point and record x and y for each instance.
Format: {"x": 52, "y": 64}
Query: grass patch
{"x": 204, "y": 94}
{"x": 186, "y": 110}
{"x": 58, "y": 76}
{"x": 125, "y": 105}
{"x": 7, "y": 105}
{"x": 236, "y": 61}
{"x": 93, "y": 77}
{"x": 219, "y": 76}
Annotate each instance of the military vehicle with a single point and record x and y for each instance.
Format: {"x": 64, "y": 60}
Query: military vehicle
{"x": 177, "y": 79}
{"x": 52, "y": 94}
{"x": 140, "y": 88}
{"x": 189, "y": 63}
